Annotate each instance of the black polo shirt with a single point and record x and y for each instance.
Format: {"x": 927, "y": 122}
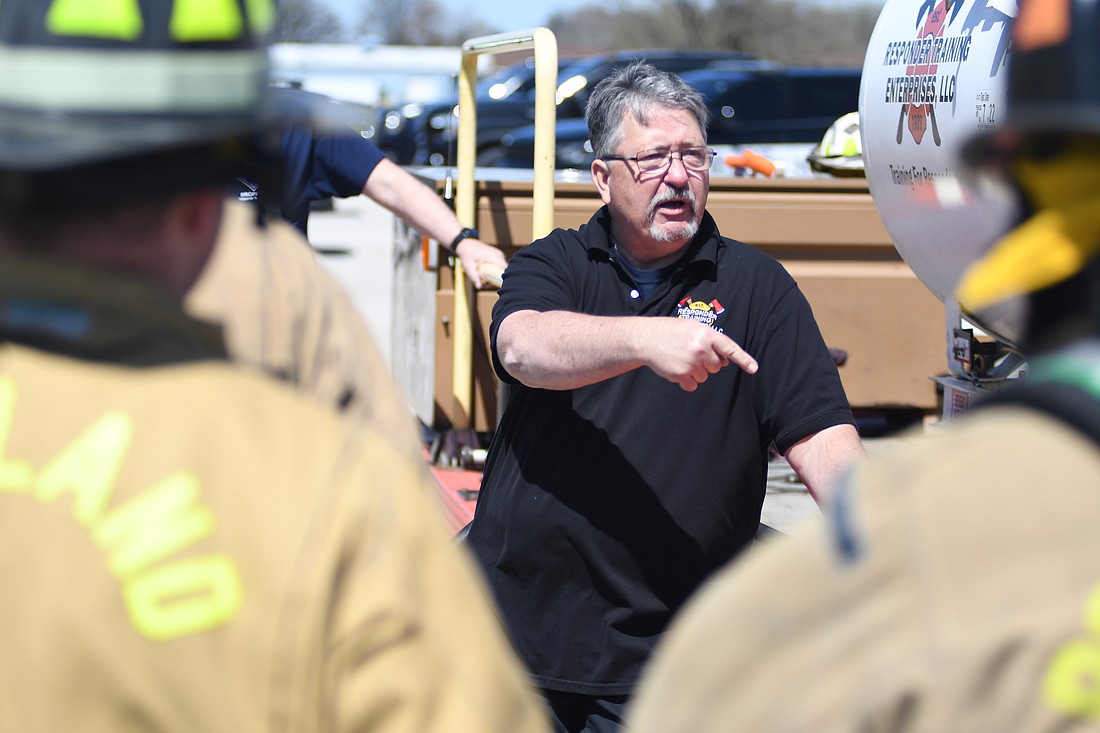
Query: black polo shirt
{"x": 603, "y": 508}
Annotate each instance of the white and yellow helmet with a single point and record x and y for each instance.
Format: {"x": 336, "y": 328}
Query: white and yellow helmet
{"x": 840, "y": 151}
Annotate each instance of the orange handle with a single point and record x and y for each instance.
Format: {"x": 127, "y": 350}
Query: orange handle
{"x": 753, "y": 161}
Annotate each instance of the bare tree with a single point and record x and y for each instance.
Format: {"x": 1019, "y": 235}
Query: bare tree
{"x": 788, "y": 31}
{"x": 417, "y": 23}
{"x": 655, "y": 27}
{"x": 583, "y": 31}
{"x": 759, "y": 27}
{"x": 307, "y": 21}
{"x": 833, "y": 36}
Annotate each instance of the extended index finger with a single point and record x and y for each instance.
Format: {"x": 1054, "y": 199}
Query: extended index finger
{"x": 741, "y": 358}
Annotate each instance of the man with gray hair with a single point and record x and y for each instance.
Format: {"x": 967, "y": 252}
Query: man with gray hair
{"x": 631, "y": 458}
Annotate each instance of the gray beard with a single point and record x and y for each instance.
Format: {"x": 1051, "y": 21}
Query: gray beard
{"x": 686, "y": 230}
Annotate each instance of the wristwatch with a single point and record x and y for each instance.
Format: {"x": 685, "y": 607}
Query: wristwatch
{"x": 466, "y": 233}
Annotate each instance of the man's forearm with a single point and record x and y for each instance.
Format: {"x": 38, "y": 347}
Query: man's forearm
{"x": 561, "y": 350}
{"x": 412, "y": 201}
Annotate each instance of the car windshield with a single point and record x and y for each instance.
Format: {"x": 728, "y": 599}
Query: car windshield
{"x": 712, "y": 87}
{"x": 515, "y": 78}
{"x": 572, "y": 79}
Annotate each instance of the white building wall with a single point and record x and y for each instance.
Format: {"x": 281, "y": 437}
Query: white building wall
{"x": 375, "y": 75}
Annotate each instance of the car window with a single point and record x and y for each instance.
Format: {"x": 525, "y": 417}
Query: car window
{"x": 825, "y": 96}
{"x": 744, "y": 99}
{"x": 595, "y": 69}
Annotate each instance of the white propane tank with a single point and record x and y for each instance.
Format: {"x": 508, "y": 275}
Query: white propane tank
{"x": 935, "y": 76}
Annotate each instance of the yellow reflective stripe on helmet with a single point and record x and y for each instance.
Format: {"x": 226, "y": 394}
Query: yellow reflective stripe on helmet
{"x": 261, "y": 16}
{"x": 206, "y": 20}
{"x": 118, "y": 19}
{"x": 192, "y": 20}
{"x": 1055, "y": 243}
{"x": 1050, "y": 247}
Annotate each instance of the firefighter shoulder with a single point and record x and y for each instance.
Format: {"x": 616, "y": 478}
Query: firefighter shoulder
{"x": 188, "y": 544}
{"x": 286, "y": 315}
{"x": 928, "y": 599}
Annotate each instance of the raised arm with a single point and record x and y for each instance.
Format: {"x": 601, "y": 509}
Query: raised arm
{"x": 562, "y": 350}
{"x": 422, "y": 208}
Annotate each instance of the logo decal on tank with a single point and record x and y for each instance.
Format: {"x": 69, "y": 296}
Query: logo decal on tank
{"x": 925, "y": 68}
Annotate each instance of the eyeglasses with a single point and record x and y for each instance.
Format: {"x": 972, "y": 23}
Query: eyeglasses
{"x": 657, "y": 159}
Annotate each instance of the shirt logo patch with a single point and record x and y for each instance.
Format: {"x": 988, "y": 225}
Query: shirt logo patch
{"x": 697, "y": 310}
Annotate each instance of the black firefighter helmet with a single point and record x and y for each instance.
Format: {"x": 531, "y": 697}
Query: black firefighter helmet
{"x": 1053, "y": 78}
{"x": 141, "y": 97}
{"x": 1048, "y": 148}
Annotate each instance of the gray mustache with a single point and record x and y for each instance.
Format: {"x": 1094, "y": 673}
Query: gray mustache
{"x": 667, "y": 194}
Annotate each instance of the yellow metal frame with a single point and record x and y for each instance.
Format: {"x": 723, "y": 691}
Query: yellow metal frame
{"x": 545, "y": 47}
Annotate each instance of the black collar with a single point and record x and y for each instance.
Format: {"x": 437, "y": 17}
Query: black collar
{"x": 98, "y": 315}
{"x": 703, "y": 248}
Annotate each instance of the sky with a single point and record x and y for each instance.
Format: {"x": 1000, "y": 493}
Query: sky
{"x": 508, "y": 15}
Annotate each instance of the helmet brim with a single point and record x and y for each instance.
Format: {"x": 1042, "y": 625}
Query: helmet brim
{"x": 37, "y": 142}
{"x": 34, "y": 144}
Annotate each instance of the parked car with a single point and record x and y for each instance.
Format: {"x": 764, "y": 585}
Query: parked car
{"x": 425, "y": 134}
{"x": 765, "y": 104}
{"x": 518, "y": 79}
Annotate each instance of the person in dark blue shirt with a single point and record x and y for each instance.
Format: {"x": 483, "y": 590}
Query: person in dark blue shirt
{"x": 317, "y": 166}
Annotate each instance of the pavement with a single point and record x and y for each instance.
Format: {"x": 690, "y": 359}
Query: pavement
{"x": 355, "y": 241}
{"x": 787, "y": 502}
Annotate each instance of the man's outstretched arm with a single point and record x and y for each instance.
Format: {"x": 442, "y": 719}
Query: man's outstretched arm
{"x": 564, "y": 350}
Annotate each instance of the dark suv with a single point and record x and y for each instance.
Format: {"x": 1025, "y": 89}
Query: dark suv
{"x": 748, "y": 105}
{"x": 425, "y": 134}
{"x": 398, "y": 131}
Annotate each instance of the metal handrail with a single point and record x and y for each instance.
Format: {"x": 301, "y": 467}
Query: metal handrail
{"x": 545, "y": 46}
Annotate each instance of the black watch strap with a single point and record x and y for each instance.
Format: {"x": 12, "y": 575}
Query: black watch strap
{"x": 466, "y": 233}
